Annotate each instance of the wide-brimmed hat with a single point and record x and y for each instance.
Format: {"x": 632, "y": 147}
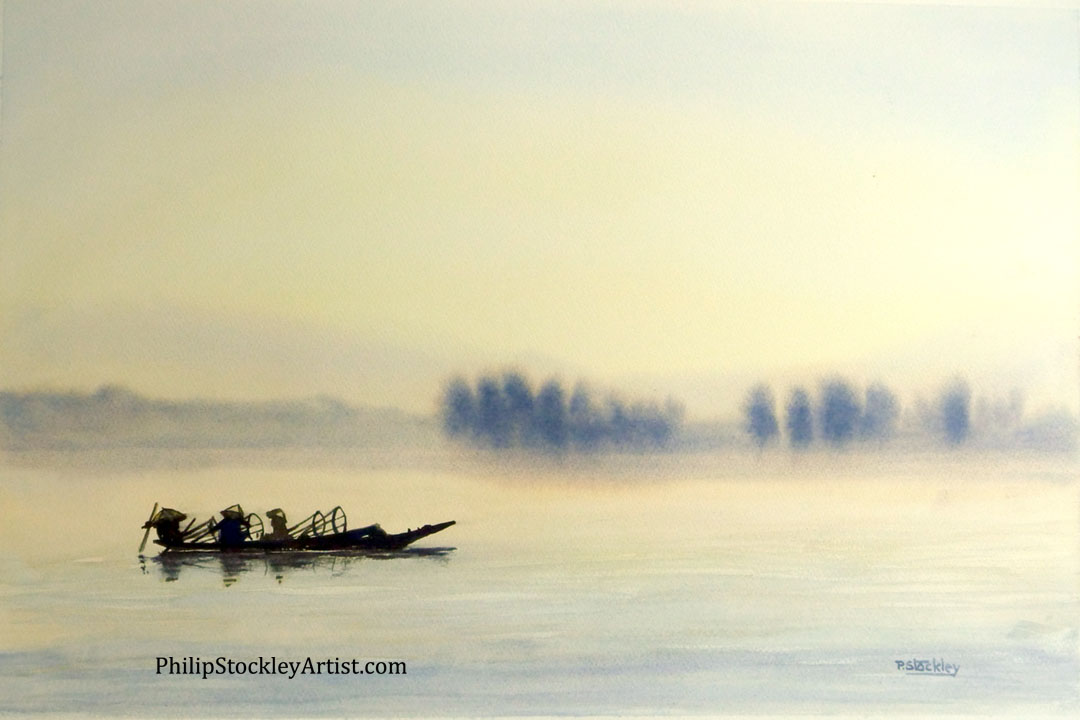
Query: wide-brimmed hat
{"x": 233, "y": 512}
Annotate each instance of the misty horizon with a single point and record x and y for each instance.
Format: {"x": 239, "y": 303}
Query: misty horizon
{"x": 113, "y": 416}
{"x": 182, "y": 355}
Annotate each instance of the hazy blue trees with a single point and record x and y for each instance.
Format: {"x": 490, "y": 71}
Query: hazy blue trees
{"x": 458, "y": 408}
{"x": 619, "y": 427}
{"x": 641, "y": 425}
{"x": 839, "y": 416}
{"x": 878, "y": 420}
{"x": 955, "y": 412}
{"x": 492, "y": 413}
{"x": 585, "y": 419}
{"x": 761, "y": 415}
{"x": 839, "y": 412}
{"x": 520, "y": 409}
{"x": 508, "y": 414}
{"x": 800, "y": 419}
{"x": 551, "y": 421}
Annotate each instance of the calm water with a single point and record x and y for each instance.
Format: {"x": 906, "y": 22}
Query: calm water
{"x": 639, "y": 586}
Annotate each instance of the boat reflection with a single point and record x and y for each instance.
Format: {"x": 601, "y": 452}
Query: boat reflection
{"x": 280, "y": 564}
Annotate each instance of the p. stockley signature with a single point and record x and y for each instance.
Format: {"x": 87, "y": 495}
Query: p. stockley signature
{"x": 934, "y": 666}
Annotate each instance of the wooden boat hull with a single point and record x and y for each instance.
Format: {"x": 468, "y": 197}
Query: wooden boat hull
{"x": 367, "y": 539}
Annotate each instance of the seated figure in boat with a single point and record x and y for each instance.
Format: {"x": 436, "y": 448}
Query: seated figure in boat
{"x": 167, "y": 524}
{"x": 279, "y": 526}
{"x": 233, "y": 527}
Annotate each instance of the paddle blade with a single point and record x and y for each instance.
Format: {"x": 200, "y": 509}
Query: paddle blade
{"x": 146, "y": 534}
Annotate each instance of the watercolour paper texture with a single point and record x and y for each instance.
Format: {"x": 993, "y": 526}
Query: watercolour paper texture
{"x": 739, "y": 341}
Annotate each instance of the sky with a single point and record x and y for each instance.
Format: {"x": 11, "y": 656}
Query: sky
{"x": 278, "y": 199}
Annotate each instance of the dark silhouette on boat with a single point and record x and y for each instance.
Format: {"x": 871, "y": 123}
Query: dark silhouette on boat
{"x": 237, "y": 531}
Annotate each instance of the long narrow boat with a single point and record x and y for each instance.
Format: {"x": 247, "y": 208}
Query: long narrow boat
{"x": 370, "y": 539}
{"x": 240, "y": 532}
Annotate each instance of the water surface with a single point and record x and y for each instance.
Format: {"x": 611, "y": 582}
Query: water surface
{"x": 699, "y": 585}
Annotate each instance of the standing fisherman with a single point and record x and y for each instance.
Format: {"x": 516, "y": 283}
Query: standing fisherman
{"x": 167, "y": 524}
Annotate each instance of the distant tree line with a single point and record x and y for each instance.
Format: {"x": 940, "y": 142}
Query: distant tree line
{"x": 841, "y": 414}
{"x": 506, "y": 411}
{"x": 114, "y": 417}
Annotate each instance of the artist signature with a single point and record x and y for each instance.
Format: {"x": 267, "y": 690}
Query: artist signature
{"x": 934, "y": 666}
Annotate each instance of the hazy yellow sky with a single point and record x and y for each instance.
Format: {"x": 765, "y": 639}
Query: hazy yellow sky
{"x": 243, "y": 199}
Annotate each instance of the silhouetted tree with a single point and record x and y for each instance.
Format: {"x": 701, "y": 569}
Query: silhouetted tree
{"x": 761, "y": 416}
{"x": 878, "y": 419}
{"x": 458, "y": 408}
{"x": 658, "y": 425}
{"x": 955, "y": 412}
{"x": 492, "y": 415}
{"x": 586, "y": 425}
{"x": 520, "y": 408}
{"x": 551, "y": 415}
{"x": 800, "y": 423}
{"x": 674, "y": 411}
{"x": 618, "y": 422}
{"x": 505, "y": 413}
{"x": 839, "y": 412}
{"x": 647, "y": 425}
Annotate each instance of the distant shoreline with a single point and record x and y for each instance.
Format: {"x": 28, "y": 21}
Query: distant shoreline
{"x": 116, "y": 422}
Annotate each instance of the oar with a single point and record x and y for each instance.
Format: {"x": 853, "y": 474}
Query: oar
{"x": 200, "y": 531}
{"x": 185, "y": 530}
{"x": 297, "y": 526}
{"x": 147, "y": 533}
